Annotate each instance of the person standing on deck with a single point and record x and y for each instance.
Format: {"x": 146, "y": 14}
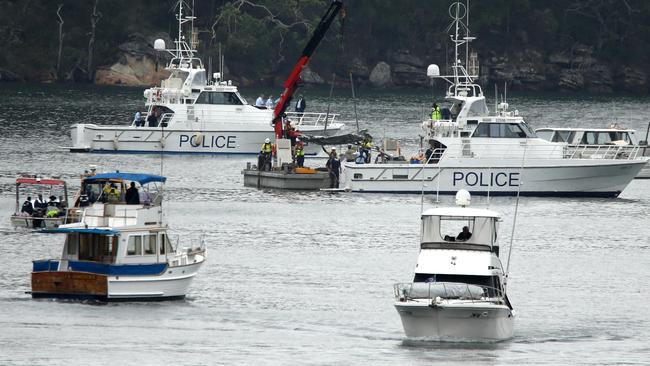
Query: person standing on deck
{"x": 260, "y": 101}
{"x": 435, "y": 112}
{"x": 334, "y": 169}
{"x": 300, "y": 154}
{"x": 27, "y": 208}
{"x": 136, "y": 119}
{"x": 132, "y": 196}
{"x": 264, "y": 159}
{"x": 301, "y": 105}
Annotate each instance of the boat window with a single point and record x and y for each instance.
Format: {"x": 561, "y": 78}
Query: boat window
{"x": 149, "y": 244}
{"x": 526, "y": 128}
{"x": 546, "y": 134}
{"x": 135, "y": 245}
{"x": 199, "y": 79}
{"x": 478, "y": 108}
{"x": 451, "y": 229}
{"x": 165, "y": 245}
{"x": 221, "y": 98}
{"x": 446, "y": 229}
{"x": 499, "y": 130}
{"x": 73, "y": 243}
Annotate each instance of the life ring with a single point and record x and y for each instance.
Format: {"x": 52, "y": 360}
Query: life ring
{"x": 198, "y": 139}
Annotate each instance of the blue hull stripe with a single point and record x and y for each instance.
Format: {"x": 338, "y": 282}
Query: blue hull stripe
{"x": 611, "y": 194}
{"x": 104, "y": 269}
{"x": 146, "y": 152}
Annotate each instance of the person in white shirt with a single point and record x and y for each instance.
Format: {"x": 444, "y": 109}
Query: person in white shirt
{"x": 269, "y": 102}
{"x": 261, "y": 101}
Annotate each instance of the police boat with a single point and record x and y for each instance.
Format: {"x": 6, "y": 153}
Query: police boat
{"x": 120, "y": 250}
{"x": 492, "y": 153}
{"x": 458, "y": 291}
{"x": 191, "y": 114}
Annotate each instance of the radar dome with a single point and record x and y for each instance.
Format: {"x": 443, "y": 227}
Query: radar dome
{"x": 159, "y": 45}
{"x": 433, "y": 71}
{"x": 463, "y": 198}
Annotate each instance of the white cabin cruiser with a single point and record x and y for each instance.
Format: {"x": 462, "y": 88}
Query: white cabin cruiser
{"x": 497, "y": 154}
{"x": 120, "y": 250}
{"x": 458, "y": 292}
{"x": 189, "y": 114}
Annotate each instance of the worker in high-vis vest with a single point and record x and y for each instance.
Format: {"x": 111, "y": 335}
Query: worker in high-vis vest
{"x": 264, "y": 159}
{"x": 300, "y": 154}
{"x": 435, "y": 112}
{"x": 366, "y": 146}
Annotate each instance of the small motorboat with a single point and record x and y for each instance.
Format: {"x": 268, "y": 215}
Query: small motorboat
{"x": 458, "y": 292}
{"x": 48, "y": 212}
{"x": 120, "y": 250}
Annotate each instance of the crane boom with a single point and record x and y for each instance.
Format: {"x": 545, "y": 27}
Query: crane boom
{"x": 291, "y": 84}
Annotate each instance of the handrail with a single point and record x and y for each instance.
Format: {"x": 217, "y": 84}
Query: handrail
{"x": 403, "y": 291}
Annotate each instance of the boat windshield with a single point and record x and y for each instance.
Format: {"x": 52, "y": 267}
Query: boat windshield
{"x": 503, "y": 130}
{"x": 448, "y": 229}
{"x": 223, "y": 98}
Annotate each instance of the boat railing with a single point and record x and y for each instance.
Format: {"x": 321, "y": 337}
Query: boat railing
{"x": 521, "y": 150}
{"x": 312, "y": 119}
{"x": 445, "y": 291}
{"x": 607, "y": 152}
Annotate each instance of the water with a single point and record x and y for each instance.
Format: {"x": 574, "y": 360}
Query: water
{"x": 307, "y": 278}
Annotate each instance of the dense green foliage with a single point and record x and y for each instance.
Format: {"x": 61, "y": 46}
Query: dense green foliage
{"x": 262, "y": 37}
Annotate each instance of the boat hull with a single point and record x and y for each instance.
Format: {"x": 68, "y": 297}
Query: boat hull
{"x": 559, "y": 177}
{"x": 456, "y": 323}
{"x": 41, "y": 222}
{"x": 125, "y": 139}
{"x": 173, "y": 283}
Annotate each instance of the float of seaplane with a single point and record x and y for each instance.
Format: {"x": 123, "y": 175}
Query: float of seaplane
{"x": 458, "y": 292}
{"x": 120, "y": 249}
{"x": 189, "y": 114}
{"x": 498, "y": 154}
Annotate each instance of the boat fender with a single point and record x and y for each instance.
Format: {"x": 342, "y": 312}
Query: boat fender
{"x": 162, "y": 142}
{"x": 115, "y": 143}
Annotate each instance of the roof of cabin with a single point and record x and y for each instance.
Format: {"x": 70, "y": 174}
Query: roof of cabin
{"x": 134, "y": 177}
{"x": 461, "y": 212}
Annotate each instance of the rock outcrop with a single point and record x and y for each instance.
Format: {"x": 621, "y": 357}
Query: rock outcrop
{"x": 138, "y": 64}
{"x": 380, "y": 76}
{"x": 408, "y": 69}
{"x": 309, "y": 76}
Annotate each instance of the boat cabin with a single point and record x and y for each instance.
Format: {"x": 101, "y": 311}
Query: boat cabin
{"x": 112, "y": 188}
{"x": 589, "y": 136}
{"x": 460, "y": 228}
{"x": 459, "y": 245}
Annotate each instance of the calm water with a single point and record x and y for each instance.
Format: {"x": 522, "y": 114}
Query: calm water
{"x": 307, "y": 278}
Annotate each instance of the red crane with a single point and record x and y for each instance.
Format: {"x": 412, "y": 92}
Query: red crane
{"x": 291, "y": 84}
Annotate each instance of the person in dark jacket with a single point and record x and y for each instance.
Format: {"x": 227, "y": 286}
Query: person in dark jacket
{"x": 27, "y": 208}
{"x": 464, "y": 235}
{"x": 152, "y": 118}
{"x": 301, "y": 105}
{"x": 334, "y": 168}
{"x": 132, "y": 196}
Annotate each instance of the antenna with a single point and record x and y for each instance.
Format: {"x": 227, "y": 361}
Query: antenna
{"x": 514, "y": 219}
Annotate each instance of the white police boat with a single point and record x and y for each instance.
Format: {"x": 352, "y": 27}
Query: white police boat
{"x": 458, "y": 291}
{"x": 194, "y": 115}
{"x": 119, "y": 251}
{"x": 497, "y": 154}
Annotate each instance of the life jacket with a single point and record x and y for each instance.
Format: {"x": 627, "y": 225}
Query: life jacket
{"x": 435, "y": 113}
{"x": 300, "y": 152}
{"x": 267, "y": 148}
